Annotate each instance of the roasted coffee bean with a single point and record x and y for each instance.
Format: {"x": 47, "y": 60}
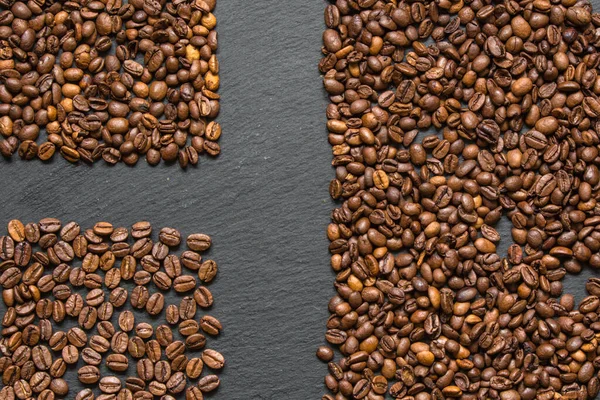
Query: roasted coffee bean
{"x": 155, "y": 304}
{"x": 426, "y": 303}
{"x": 164, "y": 335}
{"x": 193, "y": 393}
{"x": 199, "y": 242}
{"x": 172, "y": 266}
{"x": 207, "y": 271}
{"x": 172, "y": 314}
{"x": 174, "y": 349}
{"x": 162, "y": 280}
{"x": 77, "y": 337}
{"x": 119, "y": 342}
{"x": 193, "y": 370}
{"x": 141, "y": 230}
{"x": 117, "y": 362}
{"x": 112, "y": 100}
{"x": 91, "y": 356}
{"x": 135, "y": 384}
{"x": 88, "y": 374}
{"x": 162, "y": 371}
{"x": 110, "y": 384}
{"x": 139, "y": 297}
{"x": 118, "y": 297}
{"x": 85, "y": 394}
{"x": 59, "y": 386}
{"x": 209, "y": 383}
{"x": 188, "y": 327}
{"x": 325, "y": 353}
{"x": 187, "y": 308}
{"x": 191, "y": 260}
{"x": 213, "y": 359}
{"x": 58, "y": 368}
{"x": 169, "y": 236}
{"x": 31, "y": 370}
{"x": 136, "y": 347}
{"x": 153, "y": 350}
{"x": 16, "y": 230}
{"x": 70, "y": 354}
{"x": 195, "y": 341}
{"x": 203, "y": 297}
{"x": 99, "y": 343}
{"x": 126, "y": 321}
{"x": 144, "y": 330}
{"x": 176, "y": 383}
{"x": 58, "y": 341}
{"x": 210, "y": 325}
{"x": 184, "y": 283}
{"x": 145, "y": 369}
{"x": 106, "y": 329}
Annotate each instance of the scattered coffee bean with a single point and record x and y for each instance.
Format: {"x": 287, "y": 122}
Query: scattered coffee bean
{"x": 40, "y": 285}
{"x": 445, "y": 118}
{"x": 108, "y": 81}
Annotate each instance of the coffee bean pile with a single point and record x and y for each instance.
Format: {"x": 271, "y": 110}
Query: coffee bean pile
{"x": 53, "y": 274}
{"x": 110, "y": 80}
{"x": 447, "y": 117}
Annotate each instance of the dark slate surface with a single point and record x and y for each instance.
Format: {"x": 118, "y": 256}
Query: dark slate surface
{"x": 264, "y": 201}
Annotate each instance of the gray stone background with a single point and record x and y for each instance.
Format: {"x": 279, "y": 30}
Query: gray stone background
{"x": 264, "y": 201}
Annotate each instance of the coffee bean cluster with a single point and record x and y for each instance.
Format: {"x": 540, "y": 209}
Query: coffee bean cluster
{"x": 111, "y": 80}
{"x": 447, "y": 118}
{"x": 54, "y": 275}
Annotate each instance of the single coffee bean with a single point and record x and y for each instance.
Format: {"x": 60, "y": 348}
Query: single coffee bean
{"x": 195, "y": 341}
{"x": 144, "y": 330}
{"x": 16, "y": 230}
{"x": 117, "y": 362}
{"x": 145, "y": 369}
{"x": 191, "y": 260}
{"x": 88, "y": 374}
{"x": 176, "y": 383}
{"x": 126, "y": 321}
{"x": 213, "y": 359}
{"x": 193, "y": 370}
{"x": 210, "y": 325}
{"x": 187, "y": 308}
{"x": 91, "y": 356}
{"x": 162, "y": 371}
{"x": 203, "y": 297}
{"x": 207, "y": 271}
{"x": 141, "y": 230}
{"x": 155, "y": 304}
{"x": 110, "y": 384}
{"x": 188, "y": 327}
{"x": 199, "y": 242}
{"x": 139, "y": 297}
{"x": 174, "y": 349}
{"x": 164, "y": 335}
{"x": 193, "y": 393}
{"x": 184, "y": 283}
{"x": 209, "y": 383}
{"x": 153, "y": 350}
{"x": 172, "y": 314}
{"x": 169, "y": 236}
